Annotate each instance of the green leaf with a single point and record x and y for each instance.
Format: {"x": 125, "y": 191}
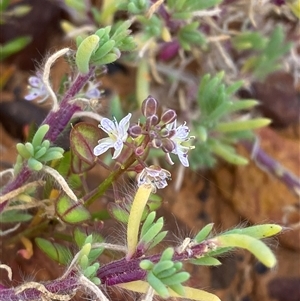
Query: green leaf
{"x": 203, "y": 233}
{"x": 226, "y": 153}
{"x": 79, "y": 166}
{"x": 83, "y": 138}
{"x": 117, "y": 212}
{"x": 14, "y": 216}
{"x": 157, "y": 285}
{"x": 39, "y": 135}
{"x": 55, "y": 251}
{"x": 148, "y": 223}
{"x": 207, "y": 261}
{"x": 13, "y": 46}
{"x": 79, "y": 237}
{"x": 242, "y": 125}
{"x": 259, "y": 249}
{"x": 70, "y": 211}
{"x": 85, "y": 51}
{"x": 257, "y": 231}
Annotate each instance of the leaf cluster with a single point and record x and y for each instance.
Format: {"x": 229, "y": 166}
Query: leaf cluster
{"x": 165, "y": 274}
{"x": 39, "y": 151}
{"x": 219, "y": 127}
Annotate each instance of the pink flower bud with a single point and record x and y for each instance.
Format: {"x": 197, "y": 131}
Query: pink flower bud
{"x": 134, "y": 131}
{"x": 168, "y": 116}
{"x": 149, "y": 106}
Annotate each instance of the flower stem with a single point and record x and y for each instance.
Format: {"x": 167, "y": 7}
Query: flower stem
{"x": 100, "y": 190}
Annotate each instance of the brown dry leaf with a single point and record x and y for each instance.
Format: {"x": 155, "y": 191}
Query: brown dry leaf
{"x": 260, "y": 197}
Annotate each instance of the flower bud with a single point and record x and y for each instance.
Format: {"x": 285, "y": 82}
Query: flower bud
{"x": 139, "y": 151}
{"x": 152, "y": 121}
{"x": 149, "y": 106}
{"x": 168, "y": 145}
{"x": 168, "y": 116}
{"x": 134, "y": 131}
{"x": 157, "y": 143}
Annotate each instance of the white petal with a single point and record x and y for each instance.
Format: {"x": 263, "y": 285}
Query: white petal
{"x": 183, "y": 159}
{"x": 124, "y": 125}
{"x": 103, "y": 146}
{"x": 182, "y": 132}
{"x": 108, "y": 126}
{"x": 118, "y": 150}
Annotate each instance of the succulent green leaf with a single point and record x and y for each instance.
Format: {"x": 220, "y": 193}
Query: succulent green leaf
{"x": 243, "y": 125}
{"x": 55, "y": 251}
{"x": 227, "y": 154}
{"x": 30, "y": 148}
{"x": 13, "y": 46}
{"x": 40, "y": 152}
{"x": 176, "y": 279}
{"x": 146, "y": 264}
{"x": 243, "y": 105}
{"x": 85, "y": 51}
{"x": 84, "y": 262}
{"x": 179, "y": 289}
{"x": 167, "y": 254}
{"x": 23, "y": 151}
{"x": 148, "y": 223}
{"x": 14, "y": 216}
{"x": 203, "y": 233}
{"x": 157, "y": 285}
{"x": 158, "y": 238}
{"x": 162, "y": 266}
{"x": 259, "y": 249}
{"x": 96, "y": 280}
{"x": 79, "y": 237}
{"x": 207, "y": 261}
{"x": 33, "y": 164}
{"x": 153, "y": 231}
{"x": 257, "y": 231}
{"x": 39, "y": 135}
{"x": 167, "y": 273}
{"x": 103, "y": 50}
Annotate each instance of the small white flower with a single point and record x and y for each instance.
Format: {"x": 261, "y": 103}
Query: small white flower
{"x": 93, "y": 91}
{"x": 155, "y": 176}
{"x": 117, "y": 135}
{"x": 37, "y": 89}
{"x": 180, "y": 136}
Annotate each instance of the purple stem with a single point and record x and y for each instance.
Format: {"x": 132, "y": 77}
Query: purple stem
{"x": 116, "y": 272}
{"x": 57, "y": 122}
{"x": 60, "y": 287}
{"x": 59, "y": 119}
{"x": 123, "y": 271}
{"x": 268, "y": 163}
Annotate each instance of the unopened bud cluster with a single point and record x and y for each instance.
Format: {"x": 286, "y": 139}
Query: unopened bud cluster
{"x": 162, "y": 131}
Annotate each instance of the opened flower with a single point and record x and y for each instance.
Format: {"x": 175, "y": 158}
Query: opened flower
{"x": 93, "y": 91}
{"x": 117, "y": 135}
{"x": 37, "y": 89}
{"x": 155, "y": 176}
{"x": 179, "y": 137}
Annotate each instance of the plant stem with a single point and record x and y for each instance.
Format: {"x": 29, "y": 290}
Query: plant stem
{"x": 57, "y": 121}
{"x": 100, "y": 190}
{"x": 123, "y": 270}
{"x": 269, "y": 164}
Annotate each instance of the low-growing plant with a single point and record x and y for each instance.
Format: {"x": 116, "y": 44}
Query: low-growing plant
{"x": 44, "y": 170}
